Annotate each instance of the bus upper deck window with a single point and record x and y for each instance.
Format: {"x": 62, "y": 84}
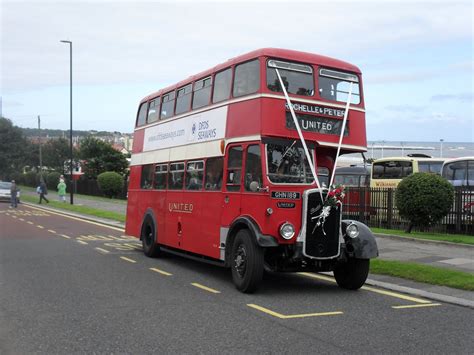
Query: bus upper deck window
{"x": 183, "y": 100}
{"x": 167, "y": 105}
{"x": 153, "y": 110}
{"x": 334, "y": 85}
{"x": 222, "y": 85}
{"x": 202, "y": 92}
{"x": 247, "y": 78}
{"x": 141, "y": 119}
{"x": 297, "y": 78}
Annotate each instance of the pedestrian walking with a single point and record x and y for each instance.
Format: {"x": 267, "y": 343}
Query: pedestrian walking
{"x": 43, "y": 191}
{"x": 62, "y": 190}
{"x": 13, "y": 195}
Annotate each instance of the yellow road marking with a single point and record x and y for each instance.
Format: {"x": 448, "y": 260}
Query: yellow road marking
{"x": 160, "y": 271}
{"x": 127, "y": 259}
{"x": 65, "y": 236}
{"x": 417, "y": 305}
{"x": 29, "y": 222}
{"x": 292, "y": 316}
{"x": 102, "y": 250}
{"x": 79, "y": 219}
{"x": 40, "y": 226}
{"x": 51, "y": 231}
{"x": 208, "y": 289}
{"x": 396, "y": 295}
{"x": 371, "y": 289}
{"x": 82, "y": 242}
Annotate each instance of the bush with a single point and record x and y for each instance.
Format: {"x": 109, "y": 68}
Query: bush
{"x": 19, "y": 178}
{"x": 110, "y": 183}
{"x": 52, "y": 180}
{"x": 424, "y": 199}
{"x": 30, "y": 179}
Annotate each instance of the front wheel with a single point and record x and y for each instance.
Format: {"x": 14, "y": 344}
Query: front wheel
{"x": 246, "y": 263}
{"x": 148, "y": 237}
{"x": 352, "y": 274}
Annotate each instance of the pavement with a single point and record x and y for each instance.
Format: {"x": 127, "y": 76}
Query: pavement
{"x": 391, "y": 247}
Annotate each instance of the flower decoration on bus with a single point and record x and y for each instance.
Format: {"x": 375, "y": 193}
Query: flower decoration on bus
{"x": 334, "y": 197}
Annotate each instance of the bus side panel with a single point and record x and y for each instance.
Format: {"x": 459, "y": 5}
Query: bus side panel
{"x": 201, "y": 228}
{"x": 243, "y": 119}
{"x": 138, "y": 138}
{"x": 176, "y": 209}
{"x": 210, "y": 224}
{"x": 133, "y": 221}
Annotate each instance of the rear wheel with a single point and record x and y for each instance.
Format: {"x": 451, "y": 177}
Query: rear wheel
{"x": 352, "y": 274}
{"x": 246, "y": 263}
{"x": 149, "y": 240}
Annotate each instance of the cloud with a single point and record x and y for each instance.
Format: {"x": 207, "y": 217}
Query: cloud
{"x": 463, "y": 97}
{"x": 127, "y": 42}
{"x": 401, "y": 77}
{"x": 405, "y": 108}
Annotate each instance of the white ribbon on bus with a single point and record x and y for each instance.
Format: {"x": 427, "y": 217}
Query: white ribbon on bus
{"x": 300, "y": 134}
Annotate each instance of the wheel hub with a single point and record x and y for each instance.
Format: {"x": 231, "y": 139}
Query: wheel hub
{"x": 240, "y": 260}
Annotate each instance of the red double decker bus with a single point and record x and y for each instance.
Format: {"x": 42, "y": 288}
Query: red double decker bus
{"x": 232, "y": 166}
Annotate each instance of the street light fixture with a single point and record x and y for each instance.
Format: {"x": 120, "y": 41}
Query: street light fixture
{"x": 441, "y": 148}
{"x": 70, "y": 116}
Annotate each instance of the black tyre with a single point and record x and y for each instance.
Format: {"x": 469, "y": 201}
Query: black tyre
{"x": 149, "y": 240}
{"x": 246, "y": 262}
{"x": 352, "y": 274}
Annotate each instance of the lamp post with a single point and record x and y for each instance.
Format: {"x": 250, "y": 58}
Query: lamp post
{"x": 70, "y": 117}
{"x": 39, "y": 140}
{"x": 441, "y": 148}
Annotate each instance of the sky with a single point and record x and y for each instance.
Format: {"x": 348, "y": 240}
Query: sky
{"x": 416, "y": 56}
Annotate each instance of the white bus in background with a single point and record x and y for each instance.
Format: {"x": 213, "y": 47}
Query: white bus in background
{"x": 459, "y": 171}
{"x": 388, "y": 172}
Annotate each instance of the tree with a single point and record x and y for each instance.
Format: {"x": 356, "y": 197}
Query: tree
{"x": 424, "y": 199}
{"x": 13, "y": 146}
{"x": 99, "y": 156}
{"x": 55, "y": 153}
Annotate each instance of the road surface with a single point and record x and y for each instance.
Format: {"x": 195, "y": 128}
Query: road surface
{"x": 69, "y": 285}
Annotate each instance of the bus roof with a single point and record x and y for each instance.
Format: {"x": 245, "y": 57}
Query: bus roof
{"x": 381, "y": 160}
{"x": 305, "y": 57}
{"x": 353, "y": 170}
{"x": 451, "y": 160}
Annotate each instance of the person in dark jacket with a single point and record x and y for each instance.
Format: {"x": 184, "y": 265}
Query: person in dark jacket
{"x": 43, "y": 190}
{"x": 13, "y": 194}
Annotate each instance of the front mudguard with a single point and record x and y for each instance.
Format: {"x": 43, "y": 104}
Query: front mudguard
{"x": 364, "y": 245}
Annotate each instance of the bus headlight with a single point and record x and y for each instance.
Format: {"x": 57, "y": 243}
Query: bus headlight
{"x": 287, "y": 230}
{"x": 352, "y": 230}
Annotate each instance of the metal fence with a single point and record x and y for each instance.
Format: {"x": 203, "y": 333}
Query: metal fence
{"x": 376, "y": 207}
{"x": 91, "y": 187}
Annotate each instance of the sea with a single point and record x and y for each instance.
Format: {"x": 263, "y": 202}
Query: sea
{"x": 386, "y": 149}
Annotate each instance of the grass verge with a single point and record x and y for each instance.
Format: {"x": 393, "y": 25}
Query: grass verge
{"x": 79, "y": 209}
{"x": 87, "y": 197}
{"x": 423, "y": 273}
{"x": 452, "y": 238}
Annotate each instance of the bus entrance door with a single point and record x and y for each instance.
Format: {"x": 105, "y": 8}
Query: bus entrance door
{"x": 232, "y": 187}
